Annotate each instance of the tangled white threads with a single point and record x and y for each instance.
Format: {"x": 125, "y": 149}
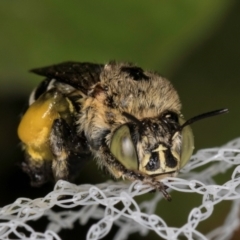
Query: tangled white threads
{"x": 99, "y": 202}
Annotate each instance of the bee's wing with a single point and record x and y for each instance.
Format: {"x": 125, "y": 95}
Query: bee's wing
{"x": 78, "y": 75}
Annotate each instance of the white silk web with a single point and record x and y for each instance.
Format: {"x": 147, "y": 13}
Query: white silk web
{"x": 101, "y": 202}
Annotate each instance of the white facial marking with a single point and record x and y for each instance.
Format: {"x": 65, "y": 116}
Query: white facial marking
{"x": 161, "y": 150}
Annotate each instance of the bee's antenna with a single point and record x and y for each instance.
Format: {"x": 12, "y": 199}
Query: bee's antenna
{"x": 131, "y": 117}
{"x": 204, "y": 115}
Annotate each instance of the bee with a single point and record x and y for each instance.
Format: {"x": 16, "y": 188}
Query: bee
{"x": 126, "y": 118}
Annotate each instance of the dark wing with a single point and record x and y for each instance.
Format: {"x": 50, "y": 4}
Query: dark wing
{"x": 79, "y": 75}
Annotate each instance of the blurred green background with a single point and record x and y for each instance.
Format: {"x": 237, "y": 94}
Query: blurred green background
{"x": 196, "y": 44}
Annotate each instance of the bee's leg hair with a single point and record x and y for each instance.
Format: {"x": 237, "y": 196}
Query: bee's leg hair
{"x": 69, "y": 150}
{"x": 39, "y": 171}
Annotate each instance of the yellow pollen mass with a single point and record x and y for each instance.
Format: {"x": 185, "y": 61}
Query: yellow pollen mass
{"x": 36, "y": 123}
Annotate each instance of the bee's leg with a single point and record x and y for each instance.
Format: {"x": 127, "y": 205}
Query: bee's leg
{"x": 69, "y": 150}
{"x": 111, "y": 163}
{"x": 39, "y": 172}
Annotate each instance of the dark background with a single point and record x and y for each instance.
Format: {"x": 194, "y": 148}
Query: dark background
{"x": 193, "y": 43}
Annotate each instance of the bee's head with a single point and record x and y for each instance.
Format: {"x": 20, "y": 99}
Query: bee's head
{"x": 158, "y": 146}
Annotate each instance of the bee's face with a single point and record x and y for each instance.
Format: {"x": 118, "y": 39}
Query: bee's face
{"x": 157, "y": 146}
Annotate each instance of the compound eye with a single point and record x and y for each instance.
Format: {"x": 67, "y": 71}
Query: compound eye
{"x": 123, "y": 148}
{"x": 187, "y": 143}
{"x": 171, "y": 116}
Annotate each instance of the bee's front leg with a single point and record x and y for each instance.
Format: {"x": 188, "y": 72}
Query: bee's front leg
{"x": 69, "y": 150}
{"x": 118, "y": 170}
